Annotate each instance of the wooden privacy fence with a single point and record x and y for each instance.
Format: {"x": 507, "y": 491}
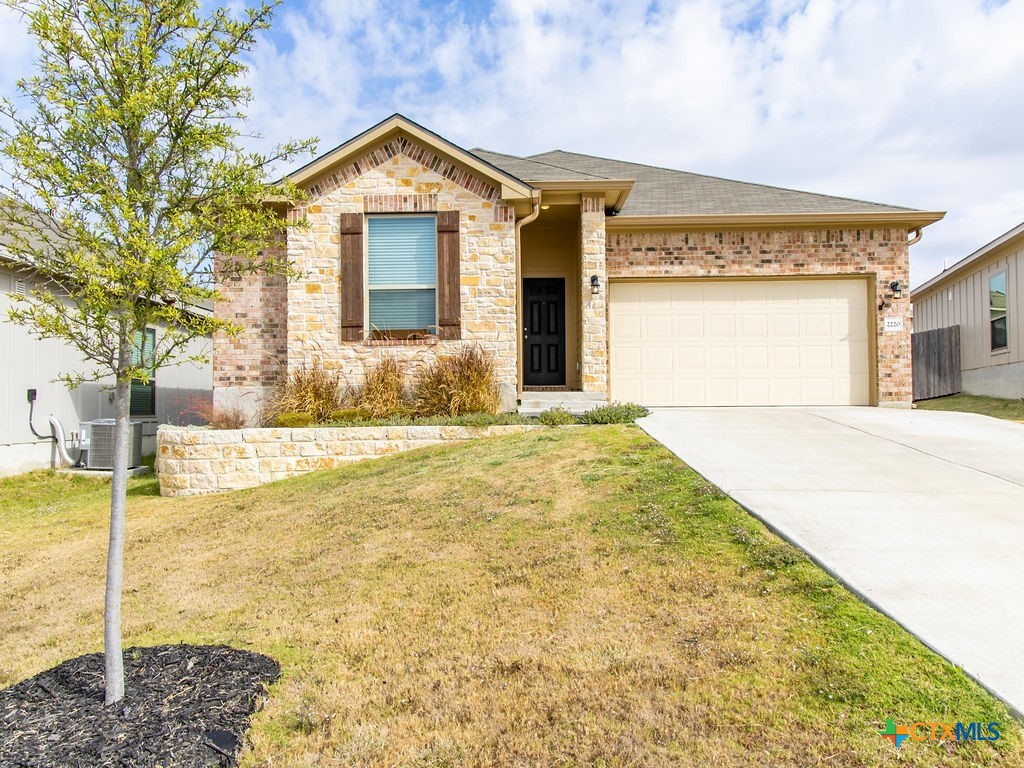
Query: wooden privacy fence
{"x": 936, "y": 356}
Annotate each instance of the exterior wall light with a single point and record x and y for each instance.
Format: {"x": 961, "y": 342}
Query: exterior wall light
{"x": 595, "y": 285}
{"x": 897, "y": 287}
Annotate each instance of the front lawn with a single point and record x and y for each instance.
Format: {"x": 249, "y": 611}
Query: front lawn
{"x": 571, "y": 597}
{"x": 1000, "y": 408}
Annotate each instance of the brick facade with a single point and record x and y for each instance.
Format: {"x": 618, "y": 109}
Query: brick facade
{"x": 787, "y": 253}
{"x": 247, "y": 365}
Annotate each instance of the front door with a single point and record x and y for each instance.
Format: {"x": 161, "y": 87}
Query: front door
{"x": 544, "y": 332}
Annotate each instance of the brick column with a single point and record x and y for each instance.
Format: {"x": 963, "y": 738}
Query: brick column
{"x": 593, "y": 307}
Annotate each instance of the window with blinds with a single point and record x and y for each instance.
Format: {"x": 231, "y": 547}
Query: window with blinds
{"x": 143, "y": 398}
{"x": 402, "y": 275}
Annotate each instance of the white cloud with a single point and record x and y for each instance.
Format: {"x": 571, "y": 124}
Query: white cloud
{"x": 909, "y": 102}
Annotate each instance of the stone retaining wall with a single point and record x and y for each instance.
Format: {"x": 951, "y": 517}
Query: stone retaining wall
{"x": 195, "y": 461}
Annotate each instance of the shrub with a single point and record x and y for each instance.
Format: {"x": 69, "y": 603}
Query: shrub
{"x": 383, "y": 394}
{"x": 557, "y": 417}
{"x": 223, "y": 417}
{"x": 616, "y": 413}
{"x": 293, "y": 419}
{"x": 458, "y": 384}
{"x": 310, "y": 389}
{"x": 349, "y": 414}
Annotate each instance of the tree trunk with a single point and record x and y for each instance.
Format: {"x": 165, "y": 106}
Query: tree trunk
{"x": 113, "y": 660}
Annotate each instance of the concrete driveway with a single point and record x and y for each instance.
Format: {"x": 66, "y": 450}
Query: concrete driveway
{"x": 920, "y": 512}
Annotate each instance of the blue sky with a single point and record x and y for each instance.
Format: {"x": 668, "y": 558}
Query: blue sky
{"x": 910, "y": 102}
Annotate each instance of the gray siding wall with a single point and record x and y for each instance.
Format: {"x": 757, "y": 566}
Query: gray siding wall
{"x": 965, "y": 302}
{"x": 26, "y": 362}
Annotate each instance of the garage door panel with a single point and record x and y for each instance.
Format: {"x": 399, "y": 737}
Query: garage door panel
{"x": 658, "y": 359}
{"x": 688, "y": 326}
{"x": 784, "y": 358}
{"x": 689, "y": 359}
{"x": 819, "y": 358}
{"x": 750, "y": 342}
{"x": 721, "y": 326}
{"x": 721, "y": 359}
{"x": 753, "y": 358}
{"x": 785, "y": 325}
{"x": 753, "y": 326}
{"x": 816, "y": 326}
{"x": 721, "y": 391}
{"x": 629, "y": 327}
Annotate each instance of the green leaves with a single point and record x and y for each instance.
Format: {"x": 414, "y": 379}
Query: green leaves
{"x": 127, "y": 173}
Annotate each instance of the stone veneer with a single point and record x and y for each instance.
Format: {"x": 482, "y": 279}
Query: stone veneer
{"x": 593, "y": 306}
{"x": 404, "y": 177}
{"x": 289, "y": 326}
{"x": 196, "y": 461}
{"x": 882, "y": 253}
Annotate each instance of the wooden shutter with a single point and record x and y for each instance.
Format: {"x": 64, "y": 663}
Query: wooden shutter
{"x": 351, "y": 276}
{"x": 449, "y": 256}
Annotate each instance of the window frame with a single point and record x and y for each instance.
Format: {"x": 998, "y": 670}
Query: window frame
{"x": 150, "y": 344}
{"x": 1005, "y": 316}
{"x": 372, "y": 333}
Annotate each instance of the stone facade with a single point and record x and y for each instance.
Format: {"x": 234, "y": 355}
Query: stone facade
{"x": 593, "y": 306}
{"x": 882, "y": 253}
{"x": 289, "y": 326}
{"x": 403, "y": 177}
{"x": 196, "y": 461}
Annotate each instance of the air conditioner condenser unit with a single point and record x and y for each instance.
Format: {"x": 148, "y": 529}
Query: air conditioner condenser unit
{"x": 97, "y": 443}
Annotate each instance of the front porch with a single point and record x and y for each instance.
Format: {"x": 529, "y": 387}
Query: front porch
{"x": 563, "y": 346}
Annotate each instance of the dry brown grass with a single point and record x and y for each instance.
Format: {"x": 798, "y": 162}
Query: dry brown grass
{"x": 309, "y": 389}
{"x": 383, "y": 394}
{"x": 457, "y": 384}
{"x": 571, "y": 597}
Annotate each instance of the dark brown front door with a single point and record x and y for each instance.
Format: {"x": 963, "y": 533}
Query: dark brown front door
{"x": 544, "y": 332}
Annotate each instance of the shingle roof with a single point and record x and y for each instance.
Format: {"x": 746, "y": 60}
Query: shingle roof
{"x": 663, "y": 191}
{"x": 528, "y": 169}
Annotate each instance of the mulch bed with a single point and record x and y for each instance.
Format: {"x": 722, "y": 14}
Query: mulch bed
{"x": 184, "y": 705}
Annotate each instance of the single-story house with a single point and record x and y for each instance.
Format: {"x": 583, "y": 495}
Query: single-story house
{"x": 613, "y": 280}
{"x": 983, "y": 294}
{"x": 27, "y": 362}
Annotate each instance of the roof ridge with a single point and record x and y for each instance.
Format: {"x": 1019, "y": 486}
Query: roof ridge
{"x": 539, "y": 162}
{"x": 723, "y": 178}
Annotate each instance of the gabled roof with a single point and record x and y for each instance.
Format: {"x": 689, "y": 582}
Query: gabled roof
{"x": 636, "y": 195}
{"x": 511, "y": 187}
{"x": 1010, "y": 237}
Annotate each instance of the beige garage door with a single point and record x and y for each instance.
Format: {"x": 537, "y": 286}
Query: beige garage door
{"x": 750, "y": 342}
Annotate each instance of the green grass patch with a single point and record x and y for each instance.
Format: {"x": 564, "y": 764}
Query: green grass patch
{"x": 561, "y": 597}
{"x": 998, "y": 407}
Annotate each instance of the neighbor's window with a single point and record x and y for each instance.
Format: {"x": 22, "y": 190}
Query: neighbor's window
{"x": 143, "y": 400}
{"x": 402, "y": 276}
{"x": 997, "y": 310}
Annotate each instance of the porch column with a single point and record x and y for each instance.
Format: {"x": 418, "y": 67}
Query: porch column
{"x": 593, "y": 306}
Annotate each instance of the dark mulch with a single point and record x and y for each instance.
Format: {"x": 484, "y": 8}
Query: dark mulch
{"x": 184, "y": 705}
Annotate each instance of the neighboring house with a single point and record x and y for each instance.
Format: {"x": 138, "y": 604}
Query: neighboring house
{"x": 29, "y": 363}
{"x": 620, "y": 281}
{"x": 984, "y": 295}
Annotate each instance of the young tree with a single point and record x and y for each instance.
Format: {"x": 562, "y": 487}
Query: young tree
{"x": 124, "y": 174}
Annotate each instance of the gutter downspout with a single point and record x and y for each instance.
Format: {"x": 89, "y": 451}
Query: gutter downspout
{"x": 915, "y": 238}
{"x": 519, "y": 287}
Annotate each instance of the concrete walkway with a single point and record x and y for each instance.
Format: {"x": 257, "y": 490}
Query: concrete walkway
{"x": 921, "y": 512}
